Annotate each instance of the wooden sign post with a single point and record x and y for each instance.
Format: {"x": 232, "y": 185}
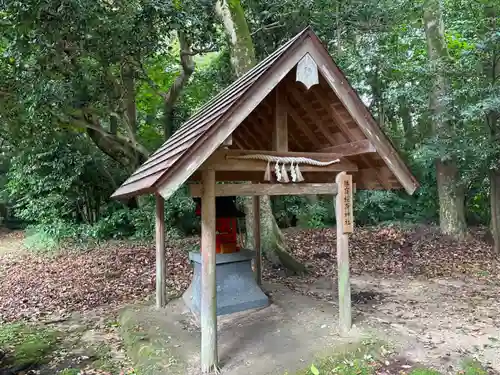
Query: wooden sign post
{"x": 345, "y": 223}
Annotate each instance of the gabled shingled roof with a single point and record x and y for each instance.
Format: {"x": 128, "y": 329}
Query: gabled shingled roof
{"x": 146, "y": 177}
{"x": 176, "y": 160}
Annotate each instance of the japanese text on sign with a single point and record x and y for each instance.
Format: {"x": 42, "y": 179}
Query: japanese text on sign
{"x": 345, "y": 209}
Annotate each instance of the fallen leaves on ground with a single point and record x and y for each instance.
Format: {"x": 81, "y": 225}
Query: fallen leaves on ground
{"x": 36, "y": 287}
{"x": 33, "y": 287}
{"x": 391, "y": 251}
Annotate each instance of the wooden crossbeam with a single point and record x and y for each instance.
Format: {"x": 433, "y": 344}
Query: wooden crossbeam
{"x": 222, "y": 161}
{"x": 237, "y": 165}
{"x": 351, "y": 149}
{"x": 247, "y": 189}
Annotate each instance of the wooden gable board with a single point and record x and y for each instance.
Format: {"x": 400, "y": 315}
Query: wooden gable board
{"x": 229, "y": 122}
{"x": 362, "y": 116}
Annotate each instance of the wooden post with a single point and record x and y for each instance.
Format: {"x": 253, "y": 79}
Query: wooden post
{"x": 280, "y": 133}
{"x": 208, "y": 286}
{"x": 161, "y": 288}
{"x": 343, "y": 213}
{"x": 256, "y": 239}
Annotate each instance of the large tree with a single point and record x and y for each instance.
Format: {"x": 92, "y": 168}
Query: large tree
{"x": 243, "y": 59}
{"x": 86, "y": 73}
{"x": 451, "y": 191}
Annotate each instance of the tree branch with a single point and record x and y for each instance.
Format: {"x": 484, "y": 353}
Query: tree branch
{"x": 271, "y": 26}
{"x": 182, "y": 79}
{"x": 88, "y": 121}
{"x": 198, "y": 51}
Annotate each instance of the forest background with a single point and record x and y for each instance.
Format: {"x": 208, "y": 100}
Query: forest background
{"x": 88, "y": 89}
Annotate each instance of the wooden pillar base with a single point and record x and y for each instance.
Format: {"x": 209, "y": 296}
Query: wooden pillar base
{"x": 161, "y": 272}
{"x": 343, "y": 213}
{"x": 256, "y": 239}
{"x": 208, "y": 314}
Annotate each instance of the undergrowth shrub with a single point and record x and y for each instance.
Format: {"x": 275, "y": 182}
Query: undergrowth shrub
{"x": 119, "y": 222}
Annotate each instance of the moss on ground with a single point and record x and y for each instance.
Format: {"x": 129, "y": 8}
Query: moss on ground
{"x": 371, "y": 357}
{"x": 356, "y": 359}
{"x": 26, "y": 346}
{"x": 147, "y": 349}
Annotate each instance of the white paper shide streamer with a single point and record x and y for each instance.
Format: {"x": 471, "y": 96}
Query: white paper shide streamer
{"x": 283, "y": 163}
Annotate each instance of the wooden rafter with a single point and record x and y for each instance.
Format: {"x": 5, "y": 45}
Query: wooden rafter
{"x": 303, "y": 126}
{"x": 311, "y": 113}
{"x": 342, "y": 124}
{"x": 250, "y": 136}
{"x": 291, "y": 136}
{"x": 242, "y": 141}
{"x": 229, "y": 190}
{"x": 335, "y": 116}
{"x": 253, "y": 125}
{"x": 237, "y": 142}
{"x": 349, "y": 149}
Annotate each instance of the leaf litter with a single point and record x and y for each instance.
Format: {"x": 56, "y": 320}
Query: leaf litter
{"x": 39, "y": 288}
{"x": 35, "y": 287}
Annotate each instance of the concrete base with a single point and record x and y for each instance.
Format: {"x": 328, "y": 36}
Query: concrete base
{"x": 235, "y": 280}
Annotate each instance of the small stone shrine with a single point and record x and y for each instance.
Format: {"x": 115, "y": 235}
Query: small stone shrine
{"x": 237, "y": 289}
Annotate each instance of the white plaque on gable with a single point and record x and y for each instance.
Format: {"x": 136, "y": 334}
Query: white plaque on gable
{"x": 307, "y": 71}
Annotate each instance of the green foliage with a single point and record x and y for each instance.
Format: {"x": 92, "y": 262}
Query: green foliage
{"x": 58, "y": 176}
{"x": 68, "y": 139}
{"x": 27, "y": 345}
{"x": 356, "y": 359}
{"x": 312, "y": 212}
{"x": 46, "y": 238}
{"x": 424, "y": 371}
{"x": 472, "y": 367}
{"x": 118, "y": 223}
{"x": 70, "y": 371}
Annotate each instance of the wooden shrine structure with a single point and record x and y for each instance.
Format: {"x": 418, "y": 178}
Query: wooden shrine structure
{"x": 292, "y": 125}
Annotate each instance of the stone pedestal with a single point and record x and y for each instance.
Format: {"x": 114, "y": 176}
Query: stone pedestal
{"x": 235, "y": 280}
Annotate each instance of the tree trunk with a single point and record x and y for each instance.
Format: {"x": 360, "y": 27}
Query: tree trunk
{"x": 242, "y": 50}
{"x": 495, "y": 208}
{"x": 451, "y": 200}
{"x": 174, "y": 92}
{"x": 405, "y": 114}
{"x": 243, "y": 59}
{"x": 451, "y": 194}
{"x": 272, "y": 240}
{"x": 492, "y": 70}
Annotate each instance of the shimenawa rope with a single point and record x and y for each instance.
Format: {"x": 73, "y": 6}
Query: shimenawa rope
{"x": 280, "y": 170}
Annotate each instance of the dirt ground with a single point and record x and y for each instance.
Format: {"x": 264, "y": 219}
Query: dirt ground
{"x": 434, "y": 300}
{"x": 435, "y": 323}
{"x": 285, "y": 336}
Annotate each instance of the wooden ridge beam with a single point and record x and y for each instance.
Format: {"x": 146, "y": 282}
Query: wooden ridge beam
{"x": 248, "y": 189}
{"x": 351, "y": 149}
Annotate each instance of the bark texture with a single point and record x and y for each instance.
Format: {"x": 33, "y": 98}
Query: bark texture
{"x": 243, "y": 59}
{"x": 242, "y": 50}
{"x": 451, "y": 200}
{"x": 492, "y": 72}
{"x": 451, "y": 194}
{"x": 495, "y": 208}
{"x": 170, "y": 98}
